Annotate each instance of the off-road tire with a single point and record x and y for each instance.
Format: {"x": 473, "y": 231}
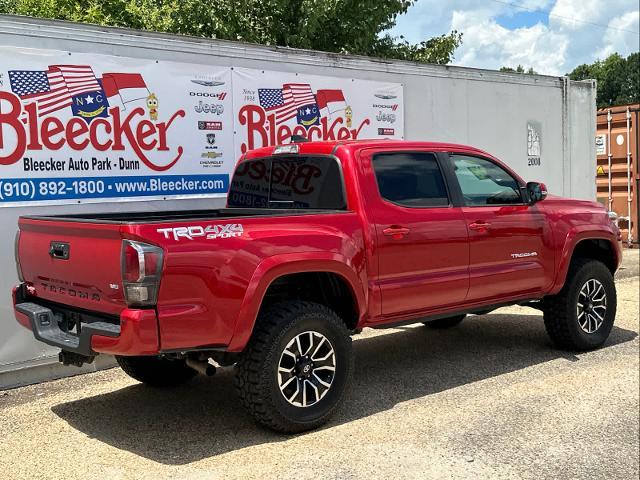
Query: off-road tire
{"x": 447, "y": 322}
{"x": 560, "y": 310}
{"x": 156, "y": 371}
{"x": 256, "y": 371}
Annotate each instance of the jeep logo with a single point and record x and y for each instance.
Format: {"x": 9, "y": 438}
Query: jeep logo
{"x": 202, "y": 107}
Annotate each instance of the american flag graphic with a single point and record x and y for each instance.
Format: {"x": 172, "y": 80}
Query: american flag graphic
{"x": 285, "y": 101}
{"x": 54, "y": 88}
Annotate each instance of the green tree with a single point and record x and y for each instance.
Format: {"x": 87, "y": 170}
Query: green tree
{"x": 630, "y": 87}
{"x": 519, "y": 69}
{"x": 618, "y": 79}
{"x": 340, "y": 26}
{"x": 435, "y": 50}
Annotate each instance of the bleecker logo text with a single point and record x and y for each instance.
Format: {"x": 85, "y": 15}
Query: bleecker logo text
{"x": 298, "y": 178}
{"x": 103, "y": 134}
{"x": 267, "y": 131}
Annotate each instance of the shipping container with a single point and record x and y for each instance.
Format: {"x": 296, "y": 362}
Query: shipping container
{"x": 542, "y": 126}
{"x": 617, "y": 171}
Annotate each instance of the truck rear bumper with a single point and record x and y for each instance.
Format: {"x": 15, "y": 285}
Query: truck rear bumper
{"x": 136, "y": 333}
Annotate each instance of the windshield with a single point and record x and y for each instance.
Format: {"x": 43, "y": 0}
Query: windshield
{"x": 290, "y": 182}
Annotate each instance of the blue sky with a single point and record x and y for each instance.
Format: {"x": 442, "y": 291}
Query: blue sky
{"x": 521, "y": 18}
{"x": 552, "y": 36}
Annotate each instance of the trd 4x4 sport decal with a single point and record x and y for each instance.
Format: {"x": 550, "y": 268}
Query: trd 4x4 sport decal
{"x": 210, "y": 232}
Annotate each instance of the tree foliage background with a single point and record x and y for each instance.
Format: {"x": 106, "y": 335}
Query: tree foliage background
{"x": 618, "y": 79}
{"x": 519, "y": 69}
{"x": 341, "y": 26}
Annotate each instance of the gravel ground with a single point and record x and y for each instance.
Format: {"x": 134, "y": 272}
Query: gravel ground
{"x": 489, "y": 399}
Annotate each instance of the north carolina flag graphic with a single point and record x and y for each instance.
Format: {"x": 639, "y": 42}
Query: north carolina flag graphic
{"x": 128, "y": 86}
{"x": 330, "y": 101}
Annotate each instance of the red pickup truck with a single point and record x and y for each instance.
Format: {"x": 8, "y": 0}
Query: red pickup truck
{"x": 318, "y": 240}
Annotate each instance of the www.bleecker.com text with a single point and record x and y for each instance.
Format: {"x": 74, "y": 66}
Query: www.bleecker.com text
{"x": 79, "y": 165}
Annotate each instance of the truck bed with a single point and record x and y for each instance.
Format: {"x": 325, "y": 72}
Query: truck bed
{"x": 130, "y": 218}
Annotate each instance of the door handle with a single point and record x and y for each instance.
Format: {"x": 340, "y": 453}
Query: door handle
{"x": 479, "y": 226}
{"x": 59, "y": 250}
{"x": 396, "y": 231}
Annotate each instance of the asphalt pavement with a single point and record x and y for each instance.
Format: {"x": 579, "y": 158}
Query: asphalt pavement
{"x": 489, "y": 399}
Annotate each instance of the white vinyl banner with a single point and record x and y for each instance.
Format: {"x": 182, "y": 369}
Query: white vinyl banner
{"x": 78, "y": 127}
{"x": 270, "y": 107}
{"x": 88, "y": 128}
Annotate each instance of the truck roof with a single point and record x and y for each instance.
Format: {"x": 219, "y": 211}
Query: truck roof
{"x": 328, "y": 147}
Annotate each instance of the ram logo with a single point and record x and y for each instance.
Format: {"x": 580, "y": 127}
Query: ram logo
{"x": 210, "y": 232}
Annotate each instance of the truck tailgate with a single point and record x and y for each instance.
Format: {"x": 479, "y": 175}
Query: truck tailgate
{"x": 73, "y": 263}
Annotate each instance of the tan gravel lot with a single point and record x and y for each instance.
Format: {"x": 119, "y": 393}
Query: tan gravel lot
{"x": 490, "y": 399}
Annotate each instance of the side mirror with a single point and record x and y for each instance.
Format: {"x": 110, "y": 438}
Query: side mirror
{"x": 537, "y": 192}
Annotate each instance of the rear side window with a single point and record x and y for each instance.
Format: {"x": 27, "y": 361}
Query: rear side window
{"x": 410, "y": 179}
{"x": 290, "y": 182}
{"x": 484, "y": 183}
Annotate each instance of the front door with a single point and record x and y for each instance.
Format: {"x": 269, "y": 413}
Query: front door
{"x": 421, "y": 238}
{"x": 509, "y": 250}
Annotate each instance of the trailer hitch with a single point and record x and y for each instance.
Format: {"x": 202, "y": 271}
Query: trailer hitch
{"x": 76, "y": 359}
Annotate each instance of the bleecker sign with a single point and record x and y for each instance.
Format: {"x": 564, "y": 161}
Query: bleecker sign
{"x": 273, "y": 106}
{"x": 80, "y": 127}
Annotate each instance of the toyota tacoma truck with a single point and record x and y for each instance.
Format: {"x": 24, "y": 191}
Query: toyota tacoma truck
{"x": 317, "y": 241}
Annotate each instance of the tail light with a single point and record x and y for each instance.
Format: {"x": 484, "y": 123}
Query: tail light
{"x": 141, "y": 270}
{"x": 15, "y": 250}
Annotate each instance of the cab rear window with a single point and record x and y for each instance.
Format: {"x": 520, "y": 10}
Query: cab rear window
{"x": 288, "y": 182}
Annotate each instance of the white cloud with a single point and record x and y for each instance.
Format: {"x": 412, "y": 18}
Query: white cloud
{"x": 620, "y": 39}
{"x": 535, "y": 4}
{"x": 572, "y": 14}
{"x": 487, "y": 44}
{"x": 569, "y": 39}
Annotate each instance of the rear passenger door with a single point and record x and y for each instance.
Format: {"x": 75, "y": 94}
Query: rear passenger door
{"x": 421, "y": 238}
